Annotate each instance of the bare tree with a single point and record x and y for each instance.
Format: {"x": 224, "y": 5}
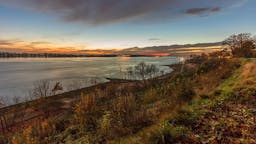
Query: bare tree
{"x": 152, "y": 71}
{"x": 241, "y": 45}
{"x": 16, "y": 100}
{"x": 43, "y": 89}
{"x": 143, "y": 72}
{"x": 129, "y": 73}
{"x": 235, "y": 41}
{"x": 57, "y": 87}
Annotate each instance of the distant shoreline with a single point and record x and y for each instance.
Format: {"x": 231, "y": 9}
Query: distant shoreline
{"x": 54, "y": 55}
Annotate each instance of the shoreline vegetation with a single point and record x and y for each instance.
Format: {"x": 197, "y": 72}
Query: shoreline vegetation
{"x": 171, "y": 50}
{"x": 94, "y": 86}
{"x": 210, "y": 98}
{"x": 24, "y": 115}
{"x": 56, "y": 55}
{"x": 59, "y": 107}
{"x": 151, "y": 72}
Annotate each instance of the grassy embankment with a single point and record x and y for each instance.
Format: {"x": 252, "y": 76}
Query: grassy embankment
{"x": 225, "y": 114}
{"x": 207, "y": 100}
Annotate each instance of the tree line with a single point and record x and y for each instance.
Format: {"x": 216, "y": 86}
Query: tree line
{"x": 46, "y": 55}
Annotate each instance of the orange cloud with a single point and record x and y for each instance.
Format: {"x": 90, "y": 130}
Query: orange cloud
{"x": 36, "y": 47}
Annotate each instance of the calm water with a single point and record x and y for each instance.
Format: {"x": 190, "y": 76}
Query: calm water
{"x": 17, "y": 75}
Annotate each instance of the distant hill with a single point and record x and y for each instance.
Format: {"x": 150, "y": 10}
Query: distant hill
{"x": 186, "y": 49}
{"x": 176, "y": 46}
{"x": 174, "y": 49}
{"x": 183, "y": 46}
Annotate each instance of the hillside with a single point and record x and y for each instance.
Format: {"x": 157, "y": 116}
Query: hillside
{"x": 208, "y": 99}
{"x": 225, "y": 114}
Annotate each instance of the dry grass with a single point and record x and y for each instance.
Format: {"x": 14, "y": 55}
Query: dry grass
{"x": 248, "y": 75}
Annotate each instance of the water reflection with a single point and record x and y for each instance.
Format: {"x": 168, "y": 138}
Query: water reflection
{"x": 17, "y": 75}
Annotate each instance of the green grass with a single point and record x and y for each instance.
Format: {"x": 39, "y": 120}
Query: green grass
{"x": 171, "y": 127}
{"x": 162, "y": 113}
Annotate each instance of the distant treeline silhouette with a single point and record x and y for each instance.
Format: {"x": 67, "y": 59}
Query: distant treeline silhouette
{"x": 9, "y": 55}
{"x": 52, "y": 55}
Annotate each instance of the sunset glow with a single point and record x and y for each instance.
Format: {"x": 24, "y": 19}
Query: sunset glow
{"x": 127, "y": 71}
{"x": 59, "y": 28}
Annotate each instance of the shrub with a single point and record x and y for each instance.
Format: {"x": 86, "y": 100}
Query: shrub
{"x": 3, "y": 139}
{"x": 142, "y": 119}
{"x": 124, "y": 108}
{"x": 217, "y": 92}
{"x": 106, "y": 125}
{"x": 43, "y": 133}
{"x": 184, "y": 117}
{"x": 85, "y": 112}
{"x": 210, "y": 64}
{"x": 29, "y": 136}
{"x": 152, "y": 95}
{"x": 47, "y": 129}
{"x": 61, "y": 124}
{"x": 243, "y": 95}
{"x": 185, "y": 93}
{"x": 70, "y": 133}
{"x": 197, "y": 59}
{"x": 241, "y": 45}
{"x": 143, "y": 72}
{"x": 168, "y": 134}
{"x": 204, "y": 96}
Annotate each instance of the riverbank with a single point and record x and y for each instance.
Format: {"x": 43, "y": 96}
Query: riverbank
{"x": 29, "y": 113}
{"x": 119, "y": 112}
{"x": 19, "y": 76}
{"x": 58, "y": 104}
{"x": 225, "y": 114}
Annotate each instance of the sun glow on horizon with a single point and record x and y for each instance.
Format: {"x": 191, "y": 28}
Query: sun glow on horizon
{"x": 38, "y": 27}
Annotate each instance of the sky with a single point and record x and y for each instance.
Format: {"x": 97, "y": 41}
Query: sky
{"x": 70, "y": 25}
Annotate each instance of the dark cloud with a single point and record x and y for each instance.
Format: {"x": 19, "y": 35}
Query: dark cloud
{"x": 110, "y": 11}
{"x": 17, "y": 42}
{"x": 2, "y": 42}
{"x": 199, "y": 11}
{"x": 9, "y": 42}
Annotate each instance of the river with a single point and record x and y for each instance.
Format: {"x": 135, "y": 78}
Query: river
{"x": 18, "y": 75}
